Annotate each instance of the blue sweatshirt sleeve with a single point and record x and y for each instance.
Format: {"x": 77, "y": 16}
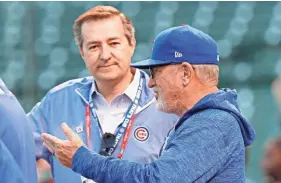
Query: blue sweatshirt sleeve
{"x": 195, "y": 152}
{"x": 10, "y": 171}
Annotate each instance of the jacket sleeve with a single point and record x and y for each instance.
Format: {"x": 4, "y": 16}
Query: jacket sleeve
{"x": 194, "y": 153}
{"x": 10, "y": 171}
{"x": 39, "y": 124}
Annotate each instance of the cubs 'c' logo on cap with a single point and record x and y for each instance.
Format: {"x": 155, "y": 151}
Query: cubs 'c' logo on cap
{"x": 141, "y": 134}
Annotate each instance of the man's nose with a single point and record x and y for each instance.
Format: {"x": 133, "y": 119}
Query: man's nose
{"x": 151, "y": 82}
{"x": 105, "y": 53}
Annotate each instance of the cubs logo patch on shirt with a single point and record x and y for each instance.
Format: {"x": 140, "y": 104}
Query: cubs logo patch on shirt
{"x": 141, "y": 134}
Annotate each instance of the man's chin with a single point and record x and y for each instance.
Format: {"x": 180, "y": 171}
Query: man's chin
{"x": 106, "y": 77}
{"x": 161, "y": 107}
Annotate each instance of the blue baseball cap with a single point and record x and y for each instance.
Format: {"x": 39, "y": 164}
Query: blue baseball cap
{"x": 181, "y": 44}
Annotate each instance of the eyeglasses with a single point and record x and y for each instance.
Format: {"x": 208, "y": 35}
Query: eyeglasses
{"x": 151, "y": 68}
{"x": 152, "y": 73}
{"x": 107, "y": 144}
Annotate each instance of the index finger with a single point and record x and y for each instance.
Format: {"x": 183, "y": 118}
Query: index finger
{"x": 67, "y": 131}
{"x": 50, "y": 139}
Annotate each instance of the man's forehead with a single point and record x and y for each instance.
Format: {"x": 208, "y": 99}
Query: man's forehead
{"x": 103, "y": 30}
{"x": 111, "y": 23}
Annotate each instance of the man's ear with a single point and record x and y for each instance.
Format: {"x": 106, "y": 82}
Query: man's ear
{"x": 187, "y": 72}
{"x": 133, "y": 45}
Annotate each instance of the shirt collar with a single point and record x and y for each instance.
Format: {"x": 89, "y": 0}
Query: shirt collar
{"x": 131, "y": 90}
{"x": 93, "y": 89}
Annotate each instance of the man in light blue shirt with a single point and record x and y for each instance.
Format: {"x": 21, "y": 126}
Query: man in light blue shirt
{"x": 16, "y": 135}
{"x": 113, "y": 111}
{"x": 208, "y": 142}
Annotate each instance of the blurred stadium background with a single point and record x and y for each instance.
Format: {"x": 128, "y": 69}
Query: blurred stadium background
{"x": 37, "y": 50}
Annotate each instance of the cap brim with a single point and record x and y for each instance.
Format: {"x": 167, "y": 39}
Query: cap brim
{"x": 145, "y": 64}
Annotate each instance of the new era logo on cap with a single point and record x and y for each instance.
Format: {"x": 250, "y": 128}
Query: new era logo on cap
{"x": 177, "y": 54}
